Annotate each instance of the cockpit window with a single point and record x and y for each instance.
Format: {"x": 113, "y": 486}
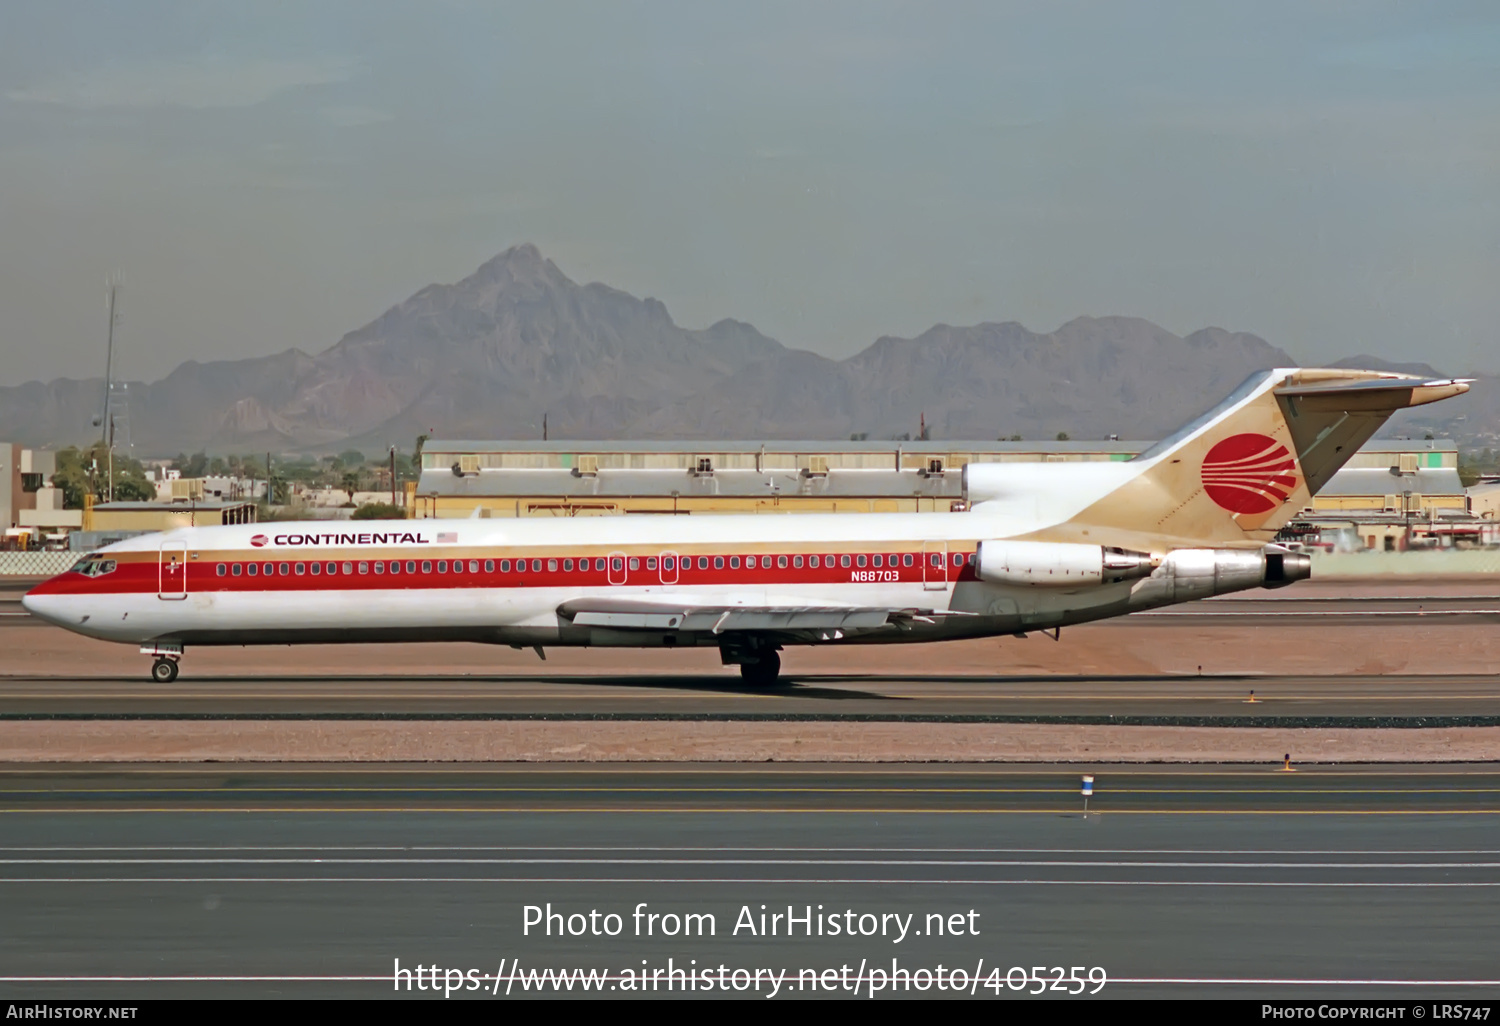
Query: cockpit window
{"x": 94, "y": 566}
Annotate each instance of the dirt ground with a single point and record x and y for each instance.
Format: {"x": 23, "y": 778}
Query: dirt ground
{"x": 512, "y": 741}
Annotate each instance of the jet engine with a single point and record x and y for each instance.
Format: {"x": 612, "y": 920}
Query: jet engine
{"x": 1058, "y": 564}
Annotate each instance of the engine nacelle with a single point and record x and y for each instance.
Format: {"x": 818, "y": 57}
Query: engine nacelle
{"x": 1188, "y": 574}
{"x": 1058, "y": 564}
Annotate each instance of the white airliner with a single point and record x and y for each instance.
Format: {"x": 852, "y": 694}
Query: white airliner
{"x": 1041, "y": 546}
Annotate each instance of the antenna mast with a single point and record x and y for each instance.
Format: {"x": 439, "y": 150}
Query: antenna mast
{"x": 112, "y": 285}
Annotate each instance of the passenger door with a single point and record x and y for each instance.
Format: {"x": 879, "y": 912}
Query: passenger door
{"x": 668, "y": 564}
{"x": 617, "y": 568}
{"x": 171, "y": 572}
{"x": 935, "y": 566}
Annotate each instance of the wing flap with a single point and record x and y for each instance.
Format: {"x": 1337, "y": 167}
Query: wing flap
{"x": 627, "y": 614}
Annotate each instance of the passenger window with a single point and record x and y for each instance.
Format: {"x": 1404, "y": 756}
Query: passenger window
{"x": 536, "y": 566}
{"x": 635, "y": 563}
{"x": 906, "y": 559}
{"x": 395, "y": 566}
{"x": 505, "y": 566}
{"x": 252, "y": 569}
{"x": 427, "y": 566}
{"x": 843, "y": 560}
{"x": 750, "y": 562}
{"x": 718, "y": 562}
{"x": 301, "y": 568}
{"x": 315, "y": 568}
{"x": 458, "y": 566}
{"x": 860, "y": 559}
{"x": 567, "y": 565}
{"x": 270, "y": 569}
{"x": 552, "y": 566}
{"x": 936, "y": 560}
{"x": 364, "y": 568}
{"x": 734, "y": 562}
{"x": 219, "y": 569}
{"x": 781, "y": 562}
{"x": 411, "y": 566}
{"x": 668, "y": 562}
{"x": 442, "y": 566}
{"x": 333, "y": 568}
{"x": 284, "y": 569}
{"x": 877, "y": 560}
{"x": 797, "y": 562}
{"x": 617, "y": 564}
{"x": 235, "y": 570}
{"x": 650, "y": 562}
{"x": 348, "y": 568}
{"x": 702, "y": 562}
{"x": 380, "y": 566}
{"x": 812, "y": 561}
{"x": 958, "y": 559}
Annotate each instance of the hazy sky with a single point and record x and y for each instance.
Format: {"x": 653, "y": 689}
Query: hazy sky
{"x": 1326, "y": 175}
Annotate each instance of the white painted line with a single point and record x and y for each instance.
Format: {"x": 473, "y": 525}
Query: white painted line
{"x": 710, "y": 848}
{"x": 877, "y": 881}
{"x": 996, "y": 863}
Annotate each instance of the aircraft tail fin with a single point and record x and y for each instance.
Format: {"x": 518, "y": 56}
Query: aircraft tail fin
{"x": 1240, "y": 472}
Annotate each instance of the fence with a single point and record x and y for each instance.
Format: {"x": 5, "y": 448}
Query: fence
{"x": 36, "y": 564}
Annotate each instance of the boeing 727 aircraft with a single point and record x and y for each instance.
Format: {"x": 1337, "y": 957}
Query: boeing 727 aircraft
{"x": 1041, "y": 546}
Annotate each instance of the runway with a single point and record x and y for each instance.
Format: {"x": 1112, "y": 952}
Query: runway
{"x": 1182, "y": 882}
{"x": 1355, "y": 700}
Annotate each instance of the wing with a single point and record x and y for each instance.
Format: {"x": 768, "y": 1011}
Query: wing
{"x": 823, "y": 622}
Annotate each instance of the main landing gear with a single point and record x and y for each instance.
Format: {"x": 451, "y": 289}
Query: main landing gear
{"x": 164, "y": 668}
{"x": 764, "y": 672}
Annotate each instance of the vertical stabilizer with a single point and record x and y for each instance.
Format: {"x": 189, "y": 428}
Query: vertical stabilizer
{"x": 1239, "y": 473}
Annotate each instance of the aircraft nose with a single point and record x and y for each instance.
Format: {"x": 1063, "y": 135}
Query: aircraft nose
{"x": 43, "y": 606}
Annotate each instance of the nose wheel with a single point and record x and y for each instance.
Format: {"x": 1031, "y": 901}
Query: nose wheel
{"x": 164, "y": 670}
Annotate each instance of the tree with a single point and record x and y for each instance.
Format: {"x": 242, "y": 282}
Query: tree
{"x": 350, "y": 484}
{"x": 82, "y": 472}
{"x": 352, "y": 458}
{"x": 378, "y": 511}
{"x": 191, "y": 466}
{"x": 1062, "y": 436}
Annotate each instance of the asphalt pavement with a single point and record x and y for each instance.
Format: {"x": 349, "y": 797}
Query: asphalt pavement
{"x": 312, "y": 881}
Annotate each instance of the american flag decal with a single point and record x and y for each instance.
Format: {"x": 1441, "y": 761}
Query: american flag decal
{"x": 447, "y": 536}
{"x": 1249, "y": 473}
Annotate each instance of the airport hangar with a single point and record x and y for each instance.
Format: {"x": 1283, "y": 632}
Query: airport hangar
{"x": 1391, "y": 494}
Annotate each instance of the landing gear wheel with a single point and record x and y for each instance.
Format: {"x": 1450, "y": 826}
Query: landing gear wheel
{"x": 164, "y": 671}
{"x": 764, "y": 672}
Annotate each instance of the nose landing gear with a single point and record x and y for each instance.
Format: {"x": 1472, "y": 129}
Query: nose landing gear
{"x": 164, "y": 669}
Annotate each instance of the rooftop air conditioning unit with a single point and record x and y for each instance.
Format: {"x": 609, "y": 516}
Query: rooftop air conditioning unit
{"x": 817, "y": 466}
{"x": 703, "y": 466}
{"x": 587, "y": 466}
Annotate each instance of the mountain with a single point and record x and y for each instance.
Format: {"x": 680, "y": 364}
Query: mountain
{"x": 489, "y": 356}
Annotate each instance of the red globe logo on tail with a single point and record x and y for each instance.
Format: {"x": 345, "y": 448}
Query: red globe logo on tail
{"x": 1249, "y": 473}
{"x": 258, "y": 540}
